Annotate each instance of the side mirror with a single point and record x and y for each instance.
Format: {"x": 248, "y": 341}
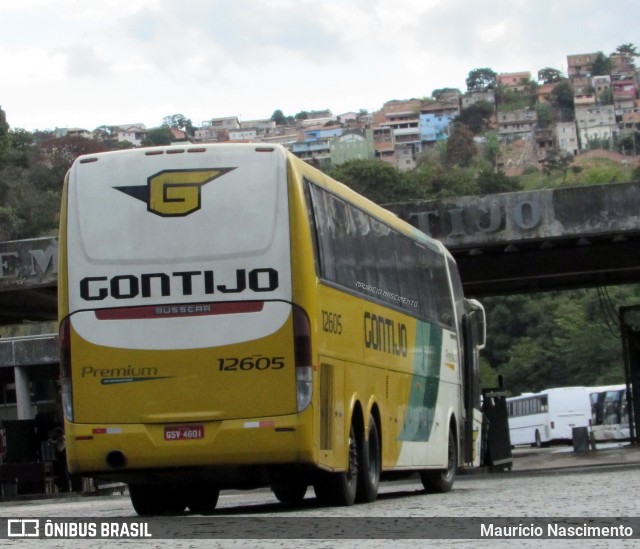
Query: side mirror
{"x": 479, "y": 321}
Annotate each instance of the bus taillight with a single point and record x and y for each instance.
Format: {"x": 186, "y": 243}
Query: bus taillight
{"x": 302, "y": 348}
{"x": 65, "y": 368}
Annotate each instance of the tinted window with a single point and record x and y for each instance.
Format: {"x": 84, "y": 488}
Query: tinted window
{"x": 363, "y": 254}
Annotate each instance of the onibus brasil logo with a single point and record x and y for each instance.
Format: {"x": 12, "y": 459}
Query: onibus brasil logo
{"x": 174, "y": 193}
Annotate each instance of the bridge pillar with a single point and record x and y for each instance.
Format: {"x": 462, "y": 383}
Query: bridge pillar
{"x": 23, "y": 393}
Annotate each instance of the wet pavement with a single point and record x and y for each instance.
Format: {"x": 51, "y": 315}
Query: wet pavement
{"x": 610, "y": 454}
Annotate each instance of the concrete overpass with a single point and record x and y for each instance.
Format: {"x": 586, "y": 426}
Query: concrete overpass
{"x": 28, "y": 280}
{"x": 549, "y": 239}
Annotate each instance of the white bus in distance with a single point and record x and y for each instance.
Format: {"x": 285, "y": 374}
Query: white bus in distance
{"x": 548, "y": 416}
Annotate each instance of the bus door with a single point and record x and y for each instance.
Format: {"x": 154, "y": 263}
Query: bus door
{"x": 473, "y": 336}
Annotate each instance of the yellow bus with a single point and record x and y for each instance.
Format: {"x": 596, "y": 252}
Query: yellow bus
{"x": 231, "y": 317}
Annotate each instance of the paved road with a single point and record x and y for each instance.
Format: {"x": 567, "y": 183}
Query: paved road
{"x": 608, "y": 491}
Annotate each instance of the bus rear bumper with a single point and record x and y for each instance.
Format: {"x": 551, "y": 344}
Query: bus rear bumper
{"x": 118, "y": 450}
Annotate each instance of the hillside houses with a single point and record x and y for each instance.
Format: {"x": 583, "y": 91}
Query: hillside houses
{"x": 605, "y": 107}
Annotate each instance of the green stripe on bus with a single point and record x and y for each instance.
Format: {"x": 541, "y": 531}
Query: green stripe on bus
{"x": 425, "y": 382}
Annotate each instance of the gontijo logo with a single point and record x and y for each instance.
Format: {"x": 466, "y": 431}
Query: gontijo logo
{"x": 174, "y": 193}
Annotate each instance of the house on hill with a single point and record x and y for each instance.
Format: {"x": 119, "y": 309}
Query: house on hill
{"x": 133, "y": 133}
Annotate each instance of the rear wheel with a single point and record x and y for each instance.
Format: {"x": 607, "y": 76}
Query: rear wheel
{"x": 290, "y": 491}
{"x": 441, "y": 481}
{"x": 202, "y": 500}
{"x": 155, "y": 499}
{"x": 369, "y": 464}
{"x": 340, "y": 488}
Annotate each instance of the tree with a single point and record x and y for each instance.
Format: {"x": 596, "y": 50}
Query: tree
{"x": 595, "y": 143}
{"x": 602, "y": 65}
{"x": 628, "y": 50}
{"x": 549, "y": 75}
{"x": 106, "y": 134}
{"x": 31, "y": 182}
{"x": 5, "y": 139}
{"x": 158, "y": 136}
{"x": 556, "y": 339}
{"x": 9, "y": 223}
{"x": 50, "y": 160}
{"x": 545, "y": 113}
{"x": 562, "y": 99}
{"x": 492, "y": 150}
{"x": 21, "y": 143}
{"x": 435, "y": 180}
{"x": 557, "y": 161}
{"x": 279, "y": 118}
{"x": 481, "y": 80}
{"x": 625, "y": 143}
{"x": 440, "y": 92}
{"x": 376, "y": 180}
{"x": 476, "y": 117}
{"x": 509, "y": 99}
{"x": 460, "y": 147}
{"x": 490, "y": 182}
{"x": 179, "y": 121}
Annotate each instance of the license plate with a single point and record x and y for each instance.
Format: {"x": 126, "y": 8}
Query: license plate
{"x": 184, "y": 432}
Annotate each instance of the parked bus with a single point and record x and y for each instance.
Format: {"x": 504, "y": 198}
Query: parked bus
{"x": 610, "y": 412}
{"x": 548, "y": 416}
{"x": 231, "y": 317}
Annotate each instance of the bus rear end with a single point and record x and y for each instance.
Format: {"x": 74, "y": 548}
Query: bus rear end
{"x": 182, "y": 354}
{"x": 569, "y": 407}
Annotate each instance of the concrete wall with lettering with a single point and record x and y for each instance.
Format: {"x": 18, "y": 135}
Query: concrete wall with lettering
{"x": 476, "y": 221}
{"x": 28, "y": 263}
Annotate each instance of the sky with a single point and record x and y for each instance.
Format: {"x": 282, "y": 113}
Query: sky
{"x": 88, "y": 63}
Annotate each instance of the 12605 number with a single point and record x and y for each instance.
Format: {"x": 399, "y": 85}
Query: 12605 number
{"x": 254, "y": 362}
{"x": 331, "y": 323}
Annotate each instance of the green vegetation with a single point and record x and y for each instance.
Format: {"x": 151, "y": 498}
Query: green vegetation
{"x": 32, "y": 170}
{"x": 557, "y": 339}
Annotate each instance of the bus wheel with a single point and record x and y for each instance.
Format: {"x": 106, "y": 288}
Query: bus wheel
{"x": 369, "y": 465}
{"x": 203, "y": 500}
{"x": 340, "y": 488}
{"x": 291, "y": 491}
{"x": 152, "y": 499}
{"x": 442, "y": 481}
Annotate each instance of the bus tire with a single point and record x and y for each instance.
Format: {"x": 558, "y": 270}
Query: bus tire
{"x": 203, "y": 500}
{"x": 155, "y": 499}
{"x": 290, "y": 491}
{"x": 340, "y": 488}
{"x": 441, "y": 481}
{"x": 369, "y": 465}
